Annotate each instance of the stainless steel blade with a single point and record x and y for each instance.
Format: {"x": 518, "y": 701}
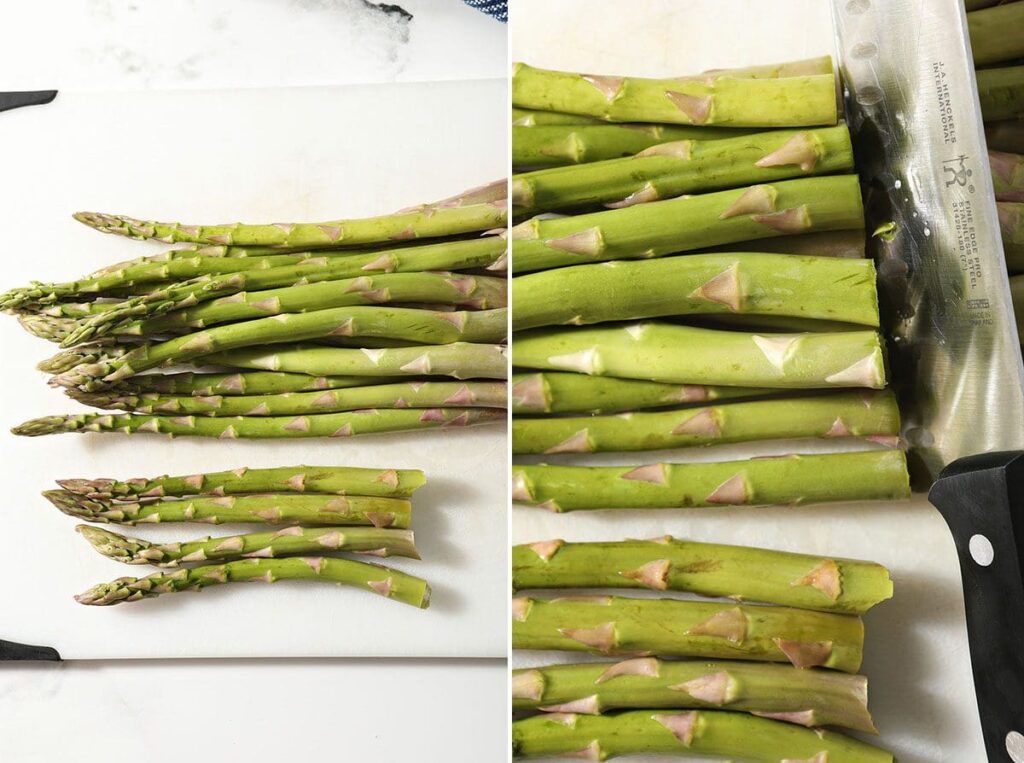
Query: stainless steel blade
{"x": 911, "y": 102}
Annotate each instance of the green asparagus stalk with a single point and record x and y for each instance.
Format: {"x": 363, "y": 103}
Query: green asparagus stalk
{"x": 333, "y": 510}
{"x": 47, "y": 327}
{"x": 996, "y": 34}
{"x": 250, "y": 383}
{"x": 674, "y": 628}
{"x": 405, "y": 324}
{"x": 1006, "y": 135}
{"x": 823, "y": 288}
{"x": 687, "y": 355}
{"x": 387, "y": 582}
{"x": 1011, "y": 225}
{"x": 806, "y": 697}
{"x": 775, "y": 480}
{"x": 334, "y": 480}
{"x": 431, "y": 223}
{"x": 102, "y": 351}
{"x": 710, "y": 100}
{"x": 459, "y": 360}
{"x": 541, "y": 118}
{"x": 850, "y": 414}
{"x": 288, "y": 541}
{"x": 1007, "y": 175}
{"x": 457, "y": 255}
{"x": 833, "y": 243}
{"x": 403, "y": 395}
{"x": 253, "y": 427}
{"x": 737, "y": 572}
{"x": 665, "y": 227}
{"x": 672, "y": 169}
{"x": 555, "y": 392}
{"x": 800, "y": 68}
{"x": 714, "y": 733}
{"x": 489, "y": 193}
{"x": 1001, "y": 92}
{"x": 558, "y": 145}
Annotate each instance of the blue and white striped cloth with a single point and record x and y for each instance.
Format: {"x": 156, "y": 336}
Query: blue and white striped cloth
{"x": 496, "y": 8}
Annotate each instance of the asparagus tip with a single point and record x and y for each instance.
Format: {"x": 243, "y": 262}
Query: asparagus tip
{"x": 44, "y": 425}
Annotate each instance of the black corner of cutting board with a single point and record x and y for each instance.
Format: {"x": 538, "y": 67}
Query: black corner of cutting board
{"x": 16, "y": 100}
{"x": 10, "y": 650}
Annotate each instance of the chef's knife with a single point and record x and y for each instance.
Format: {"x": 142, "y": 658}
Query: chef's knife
{"x": 913, "y": 110}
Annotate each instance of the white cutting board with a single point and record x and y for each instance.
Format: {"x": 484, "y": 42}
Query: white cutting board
{"x": 917, "y": 659}
{"x": 257, "y": 155}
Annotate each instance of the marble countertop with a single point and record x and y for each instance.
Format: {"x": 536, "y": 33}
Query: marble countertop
{"x": 271, "y": 709}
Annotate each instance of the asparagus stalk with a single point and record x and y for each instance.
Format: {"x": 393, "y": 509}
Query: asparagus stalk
{"x": 456, "y": 255}
{"x": 833, "y": 243}
{"x": 1007, "y": 175}
{"x": 824, "y": 288}
{"x": 672, "y": 169}
{"x": 490, "y": 193}
{"x": 737, "y": 572}
{"x": 1011, "y": 225}
{"x": 851, "y": 414}
{"x": 1001, "y": 92}
{"x": 674, "y": 628}
{"x": 687, "y": 355}
{"x": 405, "y": 324}
{"x": 775, "y": 480}
{"x": 736, "y": 736}
{"x": 334, "y": 480}
{"x": 288, "y": 541}
{"x": 805, "y": 697}
{"x": 458, "y": 360}
{"x": 541, "y": 118}
{"x": 1006, "y": 135}
{"x": 722, "y": 100}
{"x": 403, "y": 395}
{"x": 287, "y": 509}
{"x": 675, "y": 225}
{"x": 996, "y": 34}
{"x": 555, "y": 392}
{"x": 253, "y": 427}
{"x": 387, "y": 582}
{"x": 250, "y": 383}
{"x": 558, "y": 145}
{"x": 429, "y": 223}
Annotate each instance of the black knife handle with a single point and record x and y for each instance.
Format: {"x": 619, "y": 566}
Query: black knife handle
{"x": 982, "y": 500}
{"x": 16, "y": 100}
{"x": 10, "y": 650}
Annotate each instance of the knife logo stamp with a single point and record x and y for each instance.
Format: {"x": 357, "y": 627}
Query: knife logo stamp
{"x": 958, "y": 173}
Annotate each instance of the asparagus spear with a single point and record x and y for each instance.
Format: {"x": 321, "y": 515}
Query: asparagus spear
{"x": 403, "y": 395}
{"x": 710, "y": 100}
{"x": 1007, "y": 175}
{"x": 737, "y": 572}
{"x": 459, "y": 360}
{"x": 805, "y": 697}
{"x": 832, "y": 243}
{"x": 675, "y": 225}
{"x": 775, "y": 480}
{"x": 430, "y": 223}
{"x": 391, "y": 322}
{"x": 541, "y": 118}
{"x": 736, "y": 736}
{"x": 335, "y": 480}
{"x": 456, "y": 255}
{"x": 674, "y": 628}
{"x": 253, "y": 427}
{"x": 250, "y": 383}
{"x": 1011, "y": 225}
{"x": 687, "y": 355}
{"x": 672, "y": 169}
{"x": 555, "y": 392}
{"x": 851, "y": 414}
{"x": 824, "y": 288}
{"x": 285, "y": 542}
{"x": 1006, "y": 135}
{"x": 331, "y": 510}
{"x": 387, "y": 582}
{"x": 1001, "y": 92}
{"x": 490, "y": 193}
{"x": 996, "y": 34}
{"x": 557, "y": 145}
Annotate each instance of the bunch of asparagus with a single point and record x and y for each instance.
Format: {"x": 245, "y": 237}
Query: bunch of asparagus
{"x": 313, "y": 510}
{"x": 287, "y": 330}
{"x": 772, "y": 669}
{"x": 704, "y": 283}
{"x": 997, "y": 40}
